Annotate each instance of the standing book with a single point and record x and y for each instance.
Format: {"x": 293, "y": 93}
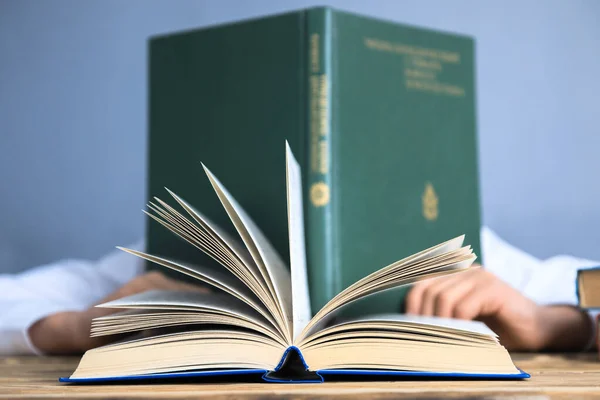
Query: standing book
{"x": 381, "y": 117}
{"x": 258, "y": 320}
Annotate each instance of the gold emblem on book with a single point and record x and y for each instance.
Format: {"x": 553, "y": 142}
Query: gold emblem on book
{"x": 430, "y": 203}
{"x": 319, "y": 194}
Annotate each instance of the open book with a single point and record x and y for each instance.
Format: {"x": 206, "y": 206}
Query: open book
{"x": 258, "y": 318}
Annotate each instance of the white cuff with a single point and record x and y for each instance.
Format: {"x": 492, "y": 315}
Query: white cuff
{"x": 15, "y": 321}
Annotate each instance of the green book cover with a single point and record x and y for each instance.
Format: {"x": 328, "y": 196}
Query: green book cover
{"x": 380, "y": 115}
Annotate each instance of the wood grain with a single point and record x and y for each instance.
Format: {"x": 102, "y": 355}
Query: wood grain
{"x": 562, "y": 376}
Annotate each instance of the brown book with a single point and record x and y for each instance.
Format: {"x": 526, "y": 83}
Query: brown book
{"x": 588, "y": 287}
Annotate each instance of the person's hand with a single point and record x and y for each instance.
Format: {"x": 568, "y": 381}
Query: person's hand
{"x": 520, "y": 323}
{"x": 69, "y": 332}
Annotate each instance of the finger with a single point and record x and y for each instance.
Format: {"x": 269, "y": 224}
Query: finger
{"x": 139, "y": 284}
{"x": 153, "y": 280}
{"x": 474, "y": 304}
{"x": 163, "y": 282}
{"x": 451, "y": 294}
{"x": 415, "y": 296}
{"x": 431, "y": 293}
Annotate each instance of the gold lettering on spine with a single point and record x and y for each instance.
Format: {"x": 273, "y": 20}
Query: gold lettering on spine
{"x": 430, "y": 202}
{"x": 314, "y": 53}
{"x": 319, "y": 124}
{"x": 323, "y": 159}
{"x": 324, "y": 125}
{"x": 319, "y": 111}
{"x": 314, "y": 122}
{"x": 324, "y": 105}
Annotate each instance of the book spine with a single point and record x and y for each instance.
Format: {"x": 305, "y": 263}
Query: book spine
{"x": 322, "y": 271}
{"x": 597, "y": 336}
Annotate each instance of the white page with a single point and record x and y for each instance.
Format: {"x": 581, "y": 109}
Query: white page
{"x": 352, "y": 294}
{"x": 220, "y": 234}
{"x": 451, "y": 323}
{"x": 224, "y": 281}
{"x": 187, "y": 300}
{"x": 265, "y": 256}
{"x": 300, "y": 296}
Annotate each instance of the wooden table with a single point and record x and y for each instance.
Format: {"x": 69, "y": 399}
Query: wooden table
{"x": 553, "y": 376}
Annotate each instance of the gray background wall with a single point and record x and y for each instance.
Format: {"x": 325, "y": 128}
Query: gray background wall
{"x": 73, "y": 116}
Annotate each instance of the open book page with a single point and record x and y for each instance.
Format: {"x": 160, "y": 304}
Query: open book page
{"x": 300, "y": 295}
{"x": 441, "y": 249}
{"x": 450, "y": 323}
{"x": 222, "y": 238}
{"x": 201, "y": 235}
{"x": 186, "y": 300}
{"x": 409, "y": 343}
{"x": 153, "y": 322}
{"x": 265, "y": 256}
{"x": 208, "y": 304}
{"x": 428, "y": 264}
{"x": 214, "y": 241}
{"x": 213, "y": 277}
{"x": 394, "y": 280}
{"x": 399, "y": 352}
{"x": 462, "y": 325}
{"x": 181, "y": 351}
{"x": 387, "y": 326}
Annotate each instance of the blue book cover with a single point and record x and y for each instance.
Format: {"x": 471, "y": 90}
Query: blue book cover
{"x": 293, "y": 369}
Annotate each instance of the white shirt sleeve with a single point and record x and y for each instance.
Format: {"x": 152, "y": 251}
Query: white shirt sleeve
{"x": 547, "y": 282}
{"x": 67, "y": 285}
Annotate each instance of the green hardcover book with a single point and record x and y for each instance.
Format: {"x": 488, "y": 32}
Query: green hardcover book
{"x": 380, "y": 115}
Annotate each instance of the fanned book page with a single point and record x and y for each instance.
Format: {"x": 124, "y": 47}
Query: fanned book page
{"x": 257, "y": 319}
{"x": 300, "y": 296}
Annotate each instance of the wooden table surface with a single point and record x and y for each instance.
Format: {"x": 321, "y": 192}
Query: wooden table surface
{"x": 552, "y": 376}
